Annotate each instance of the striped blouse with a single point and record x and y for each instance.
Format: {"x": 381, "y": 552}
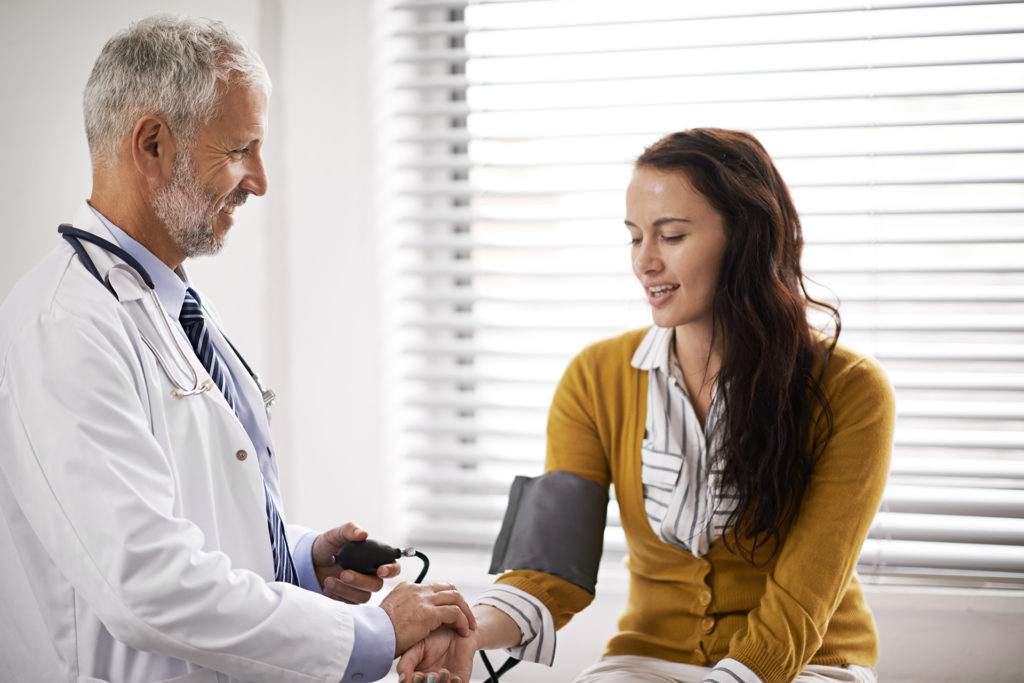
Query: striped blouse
{"x": 682, "y": 495}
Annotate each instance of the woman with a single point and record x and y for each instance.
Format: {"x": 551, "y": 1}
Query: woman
{"x": 748, "y": 452}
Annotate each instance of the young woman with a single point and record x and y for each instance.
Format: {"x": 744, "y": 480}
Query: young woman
{"x": 748, "y": 451}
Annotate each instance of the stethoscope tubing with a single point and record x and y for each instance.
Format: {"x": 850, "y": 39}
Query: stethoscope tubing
{"x": 73, "y": 235}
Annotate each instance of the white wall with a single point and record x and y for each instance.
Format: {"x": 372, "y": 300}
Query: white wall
{"x": 338, "y": 469}
{"x": 295, "y": 284}
{"x": 48, "y": 49}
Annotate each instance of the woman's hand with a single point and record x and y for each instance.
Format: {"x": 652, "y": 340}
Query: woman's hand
{"x": 443, "y": 653}
{"x": 446, "y": 652}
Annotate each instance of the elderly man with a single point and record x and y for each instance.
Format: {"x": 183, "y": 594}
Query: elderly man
{"x": 141, "y": 519}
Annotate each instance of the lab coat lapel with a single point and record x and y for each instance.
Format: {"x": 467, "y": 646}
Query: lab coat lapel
{"x": 138, "y": 302}
{"x": 253, "y": 397}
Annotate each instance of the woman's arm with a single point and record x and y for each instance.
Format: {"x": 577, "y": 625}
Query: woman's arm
{"x": 819, "y": 554}
{"x": 575, "y": 445}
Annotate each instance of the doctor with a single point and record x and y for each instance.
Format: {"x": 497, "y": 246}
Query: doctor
{"x": 142, "y": 535}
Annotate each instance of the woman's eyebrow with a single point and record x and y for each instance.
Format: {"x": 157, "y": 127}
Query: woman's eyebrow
{"x": 659, "y": 222}
{"x": 669, "y": 219}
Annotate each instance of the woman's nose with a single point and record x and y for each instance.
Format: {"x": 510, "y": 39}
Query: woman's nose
{"x": 646, "y": 258}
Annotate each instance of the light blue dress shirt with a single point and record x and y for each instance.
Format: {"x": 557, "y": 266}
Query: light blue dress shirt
{"x": 373, "y": 647}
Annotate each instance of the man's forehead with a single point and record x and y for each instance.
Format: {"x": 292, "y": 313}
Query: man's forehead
{"x": 242, "y": 113}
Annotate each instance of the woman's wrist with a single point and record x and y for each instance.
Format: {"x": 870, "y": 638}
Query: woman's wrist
{"x": 495, "y": 630}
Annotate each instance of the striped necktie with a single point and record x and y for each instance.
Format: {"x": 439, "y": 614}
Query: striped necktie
{"x": 194, "y": 324}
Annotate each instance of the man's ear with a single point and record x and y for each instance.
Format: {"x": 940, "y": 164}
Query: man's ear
{"x": 152, "y": 147}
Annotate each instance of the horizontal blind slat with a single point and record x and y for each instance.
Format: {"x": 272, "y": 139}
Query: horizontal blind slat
{"x": 948, "y": 529}
{"x": 882, "y": 554}
{"x": 900, "y": 133}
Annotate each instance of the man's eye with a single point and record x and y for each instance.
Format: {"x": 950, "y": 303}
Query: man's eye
{"x": 634, "y": 241}
{"x": 240, "y": 152}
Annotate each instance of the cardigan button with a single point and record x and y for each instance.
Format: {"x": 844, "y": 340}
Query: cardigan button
{"x": 708, "y": 624}
{"x": 704, "y": 598}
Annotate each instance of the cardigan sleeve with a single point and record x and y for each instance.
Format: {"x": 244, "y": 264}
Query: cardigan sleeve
{"x": 574, "y": 444}
{"x": 577, "y": 435}
{"x": 818, "y": 556}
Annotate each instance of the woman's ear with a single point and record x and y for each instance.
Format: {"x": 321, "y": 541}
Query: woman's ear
{"x": 152, "y": 147}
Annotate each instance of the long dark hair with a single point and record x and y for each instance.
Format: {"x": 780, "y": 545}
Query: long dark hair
{"x": 772, "y": 360}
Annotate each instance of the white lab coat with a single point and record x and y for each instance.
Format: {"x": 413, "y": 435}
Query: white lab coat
{"x": 133, "y": 534}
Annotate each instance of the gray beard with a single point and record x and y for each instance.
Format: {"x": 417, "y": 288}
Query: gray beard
{"x": 183, "y": 206}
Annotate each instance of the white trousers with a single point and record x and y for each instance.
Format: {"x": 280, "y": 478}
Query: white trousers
{"x": 632, "y": 669}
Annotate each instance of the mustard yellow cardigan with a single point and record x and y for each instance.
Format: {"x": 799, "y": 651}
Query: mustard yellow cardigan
{"x": 804, "y": 606}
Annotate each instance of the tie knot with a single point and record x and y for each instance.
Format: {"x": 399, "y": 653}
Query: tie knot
{"x": 191, "y": 308}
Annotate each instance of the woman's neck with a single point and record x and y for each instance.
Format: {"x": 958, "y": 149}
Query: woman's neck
{"x": 699, "y": 355}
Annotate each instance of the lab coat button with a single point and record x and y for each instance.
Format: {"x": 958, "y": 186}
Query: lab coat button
{"x": 241, "y": 455}
{"x": 357, "y": 677}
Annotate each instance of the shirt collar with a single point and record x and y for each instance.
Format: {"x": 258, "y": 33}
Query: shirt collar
{"x": 169, "y": 284}
{"x": 652, "y": 354}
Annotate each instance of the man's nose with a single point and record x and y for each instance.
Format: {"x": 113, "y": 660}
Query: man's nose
{"x": 255, "y": 180}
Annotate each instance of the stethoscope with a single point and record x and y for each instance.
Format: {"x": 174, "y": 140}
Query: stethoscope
{"x": 182, "y": 389}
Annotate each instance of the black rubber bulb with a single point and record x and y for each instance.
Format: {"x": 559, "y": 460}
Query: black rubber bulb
{"x": 365, "y": 556}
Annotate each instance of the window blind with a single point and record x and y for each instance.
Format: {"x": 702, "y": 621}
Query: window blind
{"x": 508, "y": 132}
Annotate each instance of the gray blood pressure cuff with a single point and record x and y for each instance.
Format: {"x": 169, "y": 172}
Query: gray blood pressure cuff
{"x": 554, "y": 524}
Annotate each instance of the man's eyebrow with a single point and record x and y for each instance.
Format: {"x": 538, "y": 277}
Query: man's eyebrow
{"x": 240, "y": 142}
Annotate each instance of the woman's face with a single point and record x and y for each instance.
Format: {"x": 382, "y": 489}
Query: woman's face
{"x": 678, "y": 241}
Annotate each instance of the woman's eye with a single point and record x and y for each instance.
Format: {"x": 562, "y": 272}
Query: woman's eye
{"x": 672, "y": 238}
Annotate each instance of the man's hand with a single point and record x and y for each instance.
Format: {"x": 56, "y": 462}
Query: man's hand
{"x": 346, "y": 586}
{"x": 443, "y": 653}
{"x": 416, "y": 610}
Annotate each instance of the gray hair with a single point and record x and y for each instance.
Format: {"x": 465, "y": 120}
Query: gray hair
{"x": 173, "y": 67}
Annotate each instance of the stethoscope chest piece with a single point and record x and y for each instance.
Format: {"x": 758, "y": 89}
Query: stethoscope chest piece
{"x": 269, "y": 396}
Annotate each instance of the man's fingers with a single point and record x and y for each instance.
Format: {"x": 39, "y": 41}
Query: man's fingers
{"x": 417, "y": 610}
{"x": 439, "y": 587}
{"x": 455, "y": 618}
{"x": 363, "y": 582}
{"x": 339, "y": 590}
{"x": 353, "y": 532}
{"x": 389, "y": 571}
{"x": 447, "y": 595}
